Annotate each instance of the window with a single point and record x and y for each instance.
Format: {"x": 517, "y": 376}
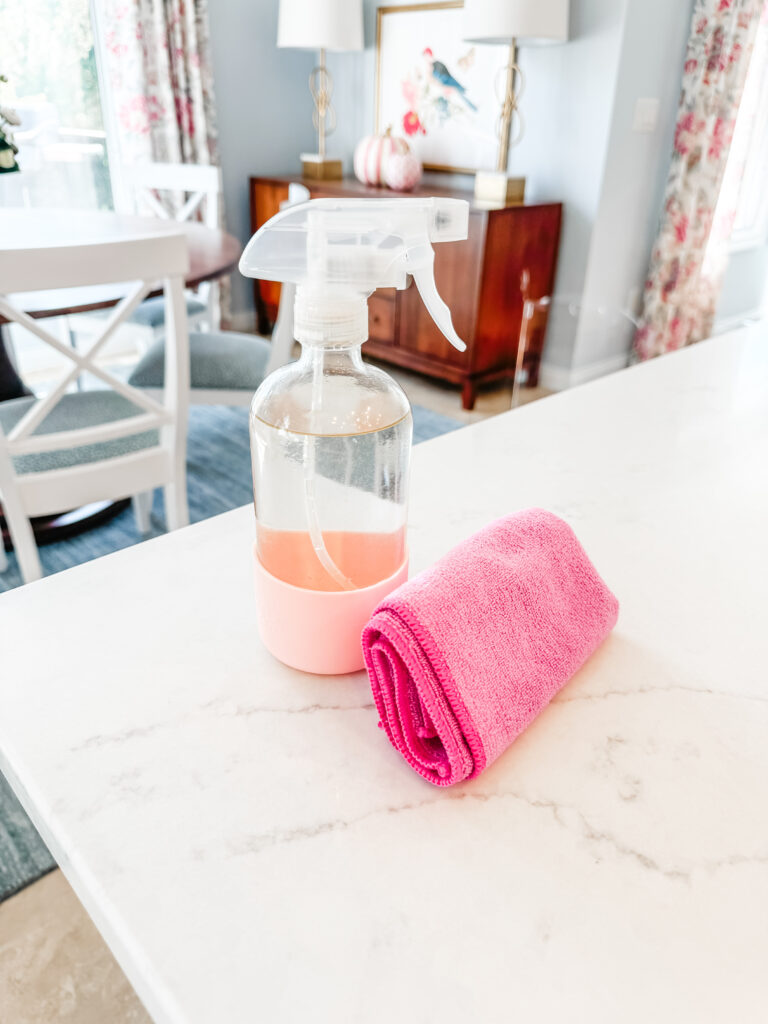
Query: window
{"x": 47, "y": 52}
{"x": 744, "y": 198}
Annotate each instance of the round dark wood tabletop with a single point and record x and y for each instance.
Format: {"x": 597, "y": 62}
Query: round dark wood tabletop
{"x": 212, "y": 253}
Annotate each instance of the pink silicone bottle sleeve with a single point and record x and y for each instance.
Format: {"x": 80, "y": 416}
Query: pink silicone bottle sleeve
{"x": 314, "y": 630}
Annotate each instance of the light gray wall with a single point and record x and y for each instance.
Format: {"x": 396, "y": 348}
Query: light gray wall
{"x": 264, "y": 111}
{"x": 568, "y": 103}
{"x": 633, "y": 182}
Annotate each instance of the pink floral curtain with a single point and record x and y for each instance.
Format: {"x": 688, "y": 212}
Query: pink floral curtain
{"x": 160, "y": 79}
{"x": 681, "y": 292}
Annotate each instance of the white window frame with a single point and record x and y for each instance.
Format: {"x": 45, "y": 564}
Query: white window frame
{"x": 121, "y": 197}
{"x": 751, "y": 225}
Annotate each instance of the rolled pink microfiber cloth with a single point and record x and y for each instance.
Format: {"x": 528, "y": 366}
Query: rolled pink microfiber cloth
{"x": 465, "y": 655}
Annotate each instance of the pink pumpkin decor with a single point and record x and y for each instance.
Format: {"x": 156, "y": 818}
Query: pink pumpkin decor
{"x": 403, "y": 172}
{"x": 373, "y": 154}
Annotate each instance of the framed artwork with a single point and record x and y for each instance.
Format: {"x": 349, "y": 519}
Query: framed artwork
{"x": 437, "y": 90}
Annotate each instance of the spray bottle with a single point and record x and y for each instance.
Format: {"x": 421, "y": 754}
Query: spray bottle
{"x": 330, "y": 434}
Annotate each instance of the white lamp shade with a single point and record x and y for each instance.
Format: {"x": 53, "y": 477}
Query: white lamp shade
{"x": 527, "y": 21}
{"x": 320, "y": 24}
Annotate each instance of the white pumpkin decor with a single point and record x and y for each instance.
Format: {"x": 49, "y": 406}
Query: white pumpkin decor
{"x": 373, "y": 154}
{"x": 403, "y": 172}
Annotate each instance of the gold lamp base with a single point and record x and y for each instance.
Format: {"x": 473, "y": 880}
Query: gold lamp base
{"x": 496, "y": 187}
{"x": 321, "y": 168}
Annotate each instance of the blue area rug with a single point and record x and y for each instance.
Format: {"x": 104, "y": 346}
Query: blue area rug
{"x": 218, "y": 479}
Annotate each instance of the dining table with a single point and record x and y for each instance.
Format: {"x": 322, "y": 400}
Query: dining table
{"x": 252, "y": 848}
{"x": 212, "y": 254}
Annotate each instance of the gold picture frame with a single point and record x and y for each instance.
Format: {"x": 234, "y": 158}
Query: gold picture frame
{"x": 386, "y": 12}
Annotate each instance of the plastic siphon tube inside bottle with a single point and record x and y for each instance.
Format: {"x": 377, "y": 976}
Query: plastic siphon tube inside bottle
{"x": 310, "y": 498}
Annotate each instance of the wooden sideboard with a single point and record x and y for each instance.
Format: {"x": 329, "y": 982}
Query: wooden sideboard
{"x": 478, "y": 278}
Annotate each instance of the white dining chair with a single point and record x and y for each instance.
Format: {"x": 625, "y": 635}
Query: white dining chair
{"x": 201, "y": 184}
{"x": 69, "y": 447}
{"x": 227, "y": 367}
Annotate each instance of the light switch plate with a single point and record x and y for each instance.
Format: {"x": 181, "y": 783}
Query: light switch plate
{"x": 646, "y": 114}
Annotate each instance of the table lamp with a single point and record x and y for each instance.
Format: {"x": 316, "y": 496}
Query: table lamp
{"x": 321, "y": 25}
{"x": 511, "y": 22}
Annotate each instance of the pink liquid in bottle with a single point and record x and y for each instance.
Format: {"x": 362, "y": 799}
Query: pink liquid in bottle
{"x": 364, "y": 558}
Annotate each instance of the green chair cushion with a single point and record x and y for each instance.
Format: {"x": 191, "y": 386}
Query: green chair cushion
{"x": 151, "y": 313}
{"x": 219, "y": 361}
{"x": 74, "y": 411}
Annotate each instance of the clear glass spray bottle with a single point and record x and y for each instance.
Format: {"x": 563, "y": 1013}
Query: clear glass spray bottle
{"x": 331, "y": 435}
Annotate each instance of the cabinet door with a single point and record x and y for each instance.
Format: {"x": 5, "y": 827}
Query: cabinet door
{"x": 518, "y": 238}
{"x": 382, "y": 312}
{"x": 458, "y": 269}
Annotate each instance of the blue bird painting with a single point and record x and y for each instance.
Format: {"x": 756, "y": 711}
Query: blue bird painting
{"x": 443, "y": 76}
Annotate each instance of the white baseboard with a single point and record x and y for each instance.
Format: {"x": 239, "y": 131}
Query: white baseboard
{"x": 554, "y": 378}
{"x": 725, "y": 324}
{"x": 560, "y": 378}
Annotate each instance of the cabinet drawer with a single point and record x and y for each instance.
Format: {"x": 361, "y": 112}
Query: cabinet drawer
{"x": 381, "y": 316}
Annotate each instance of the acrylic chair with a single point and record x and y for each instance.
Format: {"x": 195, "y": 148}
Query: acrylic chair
{"x": 579, "y": 319}
{"x": 533, "y": 322}
{"x": 201, "y": 183}
{"x": 73, "y": 447}
{"x": 226, "y": 367}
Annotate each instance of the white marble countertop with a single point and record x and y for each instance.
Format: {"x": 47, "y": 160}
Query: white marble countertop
{"x": 253, "y": 850}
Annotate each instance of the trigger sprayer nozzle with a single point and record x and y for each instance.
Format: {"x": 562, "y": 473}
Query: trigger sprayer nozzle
{"x": 354, "y": 246}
